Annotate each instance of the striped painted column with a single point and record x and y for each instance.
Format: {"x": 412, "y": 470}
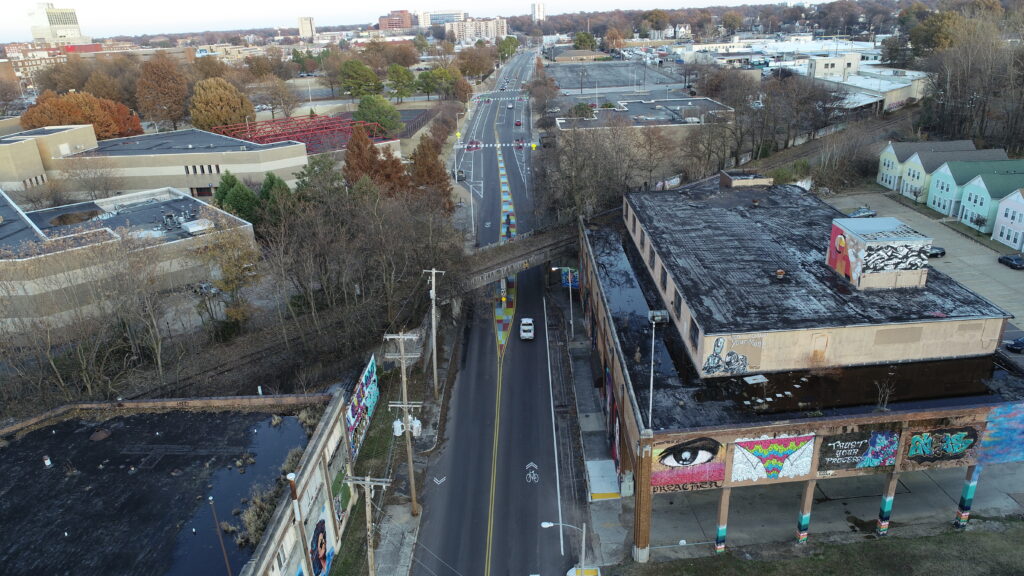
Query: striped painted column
{"x": 803, "y": 521}
{"x": 885, "y": 510}
{"x": 723, "y": 519}
{"x": 963, "y": 510}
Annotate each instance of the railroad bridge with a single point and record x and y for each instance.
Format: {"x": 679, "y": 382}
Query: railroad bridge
{"x": 491, "y": 263}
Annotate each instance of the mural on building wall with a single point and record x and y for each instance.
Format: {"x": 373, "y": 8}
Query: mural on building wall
{"x": 882, "y": 257}
{"x": 361, "y": 405}
{"x": 927, "y": 446}
{"x": 868, "y": 449}
{"x": 772, "y": 458}
{"x": 1003, "y": 440}
{"x": 838, "y": 253}
{"x": 694, "y": 464}
{"x": 321, "y": 549}
{"x": 743, "y": 355}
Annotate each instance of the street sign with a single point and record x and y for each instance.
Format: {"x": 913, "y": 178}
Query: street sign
{"x": 458, "y": 135}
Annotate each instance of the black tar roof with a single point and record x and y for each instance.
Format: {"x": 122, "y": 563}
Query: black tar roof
{"x": 682, "y": 400}
{"x": 723, "y": 252}
{"x": 140, "y": 216}
{"x": 14, "y": 225}
{"x": 128, "y": 504}
{"x": 18, "y": 136}
{"x": 190, "y": 141}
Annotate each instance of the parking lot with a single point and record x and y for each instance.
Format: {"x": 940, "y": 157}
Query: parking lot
{"x": 606, "y": 74}
{"x": 969, "y": 262}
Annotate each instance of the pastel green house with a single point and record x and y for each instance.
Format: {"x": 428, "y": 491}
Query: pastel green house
{"x": 945, "y": 191}
{"x": 981, "y": 198}
{"x": 892, "y": 157}
{"x": 918, "y": 169}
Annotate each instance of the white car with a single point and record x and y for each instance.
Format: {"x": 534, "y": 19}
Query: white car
{"x": 510, "y": 106}
{"x": 526, "y": 329}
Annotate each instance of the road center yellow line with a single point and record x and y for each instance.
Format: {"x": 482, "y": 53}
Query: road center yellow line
{"x": 494, "y": 443}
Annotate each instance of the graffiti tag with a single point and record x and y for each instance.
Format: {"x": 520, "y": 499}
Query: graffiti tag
{"x": 941, "y": 444}
{"x": 687, "y": 487}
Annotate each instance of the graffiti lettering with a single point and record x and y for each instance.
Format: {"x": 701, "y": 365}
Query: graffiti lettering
{"x": 920, "y": 445}
{"x": 859, "y": 450}
{"x": 941, "y": 444}
{"x": 956, "y": 443}
{"x": 687, "y": 487}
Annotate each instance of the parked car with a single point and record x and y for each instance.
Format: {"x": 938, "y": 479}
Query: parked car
{"x": 526, "y": 329}
{"x": 1015, "y": 261}
{"x": 1016, "y": 345}
{"x": 936, "y": 251}
{"x": 862, "y": 212}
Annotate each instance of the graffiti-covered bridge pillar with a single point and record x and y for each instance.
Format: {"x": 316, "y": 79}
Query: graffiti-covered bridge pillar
{"x": 642, "y": 503}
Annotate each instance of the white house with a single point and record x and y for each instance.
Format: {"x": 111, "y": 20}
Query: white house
{"x": 1009, "y": 225}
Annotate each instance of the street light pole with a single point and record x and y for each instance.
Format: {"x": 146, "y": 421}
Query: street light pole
{"x": 216, "y": 528}
{"x": 581, "y": 569}
{"x": 572, "y": 327}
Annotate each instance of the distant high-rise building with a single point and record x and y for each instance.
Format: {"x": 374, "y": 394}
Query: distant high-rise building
{"x": 307, "y": 30}
{"x": 56, "y": 25}
{"x": 439, "y": 17}
{"x": 538, "y": 11}
{"x": 473, "y": 29}
{"x": 396, "y": 20}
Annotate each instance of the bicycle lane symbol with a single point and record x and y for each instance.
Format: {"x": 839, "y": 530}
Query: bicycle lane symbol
{"x": 532, "y": 475}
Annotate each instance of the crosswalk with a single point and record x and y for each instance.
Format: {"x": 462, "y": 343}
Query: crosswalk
{"x": 526, "y": 145}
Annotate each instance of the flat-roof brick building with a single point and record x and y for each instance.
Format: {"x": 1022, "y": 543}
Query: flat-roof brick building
{"x": 780, "y": 344}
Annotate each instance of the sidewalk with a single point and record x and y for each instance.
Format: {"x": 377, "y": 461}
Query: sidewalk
{"x": 845, "y": 509}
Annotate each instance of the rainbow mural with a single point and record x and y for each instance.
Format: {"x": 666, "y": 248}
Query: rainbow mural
{"x": 772, "y": 458}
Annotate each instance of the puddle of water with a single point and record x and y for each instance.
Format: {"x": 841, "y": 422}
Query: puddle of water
{"x": 200, "y": 553}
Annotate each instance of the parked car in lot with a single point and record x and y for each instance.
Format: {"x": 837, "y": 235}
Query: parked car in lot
{"x": 936, "y": 251}
{"x": 526, "y": 329}
{"x": 862, "y": 212}
{"x": 1015, "y": 261}
{"x": 1016, "y": 345}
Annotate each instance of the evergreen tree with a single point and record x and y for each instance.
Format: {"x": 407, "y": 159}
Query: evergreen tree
{"x": 360, "y": 157}
{"x": 241, "y": 202}
{"x": 227, "y": 182}
{"x": 318, "y": 178}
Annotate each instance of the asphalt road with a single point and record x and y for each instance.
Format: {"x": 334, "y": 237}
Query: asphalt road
{"x": 497, "y": 460}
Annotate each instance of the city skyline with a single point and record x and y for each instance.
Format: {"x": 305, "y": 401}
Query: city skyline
{"x": 105, "y": 18}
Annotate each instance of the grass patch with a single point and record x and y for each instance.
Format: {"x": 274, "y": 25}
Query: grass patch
{"x": 977, "y": 552}
{"x": 372, "y": 459}
{"x": 351, "y": 556}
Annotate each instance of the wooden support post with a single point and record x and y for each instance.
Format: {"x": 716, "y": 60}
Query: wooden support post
{"x": 963, "y": 510}
{"x": 803, "y": 521}
{"x": 885, "y": 510}
{"x": 642, "y": 499}
{"x": 723, "y": 519}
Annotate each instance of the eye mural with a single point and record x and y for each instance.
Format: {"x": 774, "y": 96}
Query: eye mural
{"x": 694, "y": 464}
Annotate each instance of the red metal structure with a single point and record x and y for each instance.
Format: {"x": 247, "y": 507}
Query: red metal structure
{"x": 318, "y": 133}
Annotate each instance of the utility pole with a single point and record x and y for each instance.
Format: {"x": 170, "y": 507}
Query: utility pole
{"x": 433, "y": 323}
{"x": 367, "y": 483}
{"x": 402, "y": 337}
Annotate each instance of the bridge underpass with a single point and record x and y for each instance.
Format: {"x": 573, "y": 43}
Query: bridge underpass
{"x": 492, "y": 263}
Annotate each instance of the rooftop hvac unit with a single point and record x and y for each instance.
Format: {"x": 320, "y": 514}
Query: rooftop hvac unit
{"x": 197, "y": 227}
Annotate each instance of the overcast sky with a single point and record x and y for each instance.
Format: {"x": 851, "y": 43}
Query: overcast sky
{"x": 102, "y": 18}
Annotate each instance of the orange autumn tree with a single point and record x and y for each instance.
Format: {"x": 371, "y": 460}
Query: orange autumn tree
{"x": 110, "y": 119}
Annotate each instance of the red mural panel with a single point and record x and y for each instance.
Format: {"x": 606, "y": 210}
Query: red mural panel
{"x": 838, "y": 253}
